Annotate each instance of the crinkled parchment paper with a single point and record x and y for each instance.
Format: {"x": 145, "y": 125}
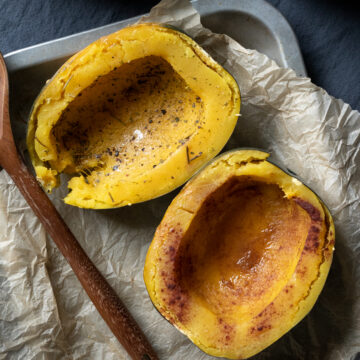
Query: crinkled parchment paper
{"x": 44, "y": 312}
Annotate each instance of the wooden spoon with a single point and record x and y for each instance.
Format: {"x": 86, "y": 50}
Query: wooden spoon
{"x": 110, "y": 307}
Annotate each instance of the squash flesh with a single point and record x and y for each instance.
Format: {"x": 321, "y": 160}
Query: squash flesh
{"x": 240, "y": 256}
{"x": 201, "y": 103}
{"x": 248, "y": 252}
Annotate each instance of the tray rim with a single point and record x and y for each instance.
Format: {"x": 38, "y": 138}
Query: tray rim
{"x": 261, "y": 10}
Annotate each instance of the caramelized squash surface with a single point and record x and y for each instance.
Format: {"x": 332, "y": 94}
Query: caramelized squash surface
{"x": 240, "y": 256}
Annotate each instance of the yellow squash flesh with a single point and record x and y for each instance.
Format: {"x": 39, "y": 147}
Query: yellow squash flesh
{"x": 131, "y": 117}
{"x": 240, "y": 256}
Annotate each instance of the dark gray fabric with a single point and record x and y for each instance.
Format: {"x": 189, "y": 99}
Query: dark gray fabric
{"x": 28, "y": 22}
{"x": 329, "y": 36}
{"x": 328, "y": 32}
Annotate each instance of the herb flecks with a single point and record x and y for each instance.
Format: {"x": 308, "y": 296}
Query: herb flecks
{"x": 196, "y": 156}
{"x": 190, "y": 159}
{"x": 40, "y": 142}
{"x": 67, "y": 83}
{"x": 187, "y": 154}
{"x": 184, "y": 140}
{"x": 112, "y": 199}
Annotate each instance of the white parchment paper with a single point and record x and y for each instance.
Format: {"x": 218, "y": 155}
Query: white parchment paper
{"x": 44, "y": 312}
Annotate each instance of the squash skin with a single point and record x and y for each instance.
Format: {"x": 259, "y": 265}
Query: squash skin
{"x": 229, "y": 327}
{"x": 206, "y": 134}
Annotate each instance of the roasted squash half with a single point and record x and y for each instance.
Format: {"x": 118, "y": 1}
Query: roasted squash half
{"x": 240, "y": 256}
{"x": 131, "y": 117}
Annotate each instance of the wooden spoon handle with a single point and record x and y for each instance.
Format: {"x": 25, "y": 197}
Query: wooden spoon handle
{"x": 102, "y": 295}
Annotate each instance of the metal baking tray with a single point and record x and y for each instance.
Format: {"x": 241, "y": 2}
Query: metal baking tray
{"x": 255, "y": 24}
